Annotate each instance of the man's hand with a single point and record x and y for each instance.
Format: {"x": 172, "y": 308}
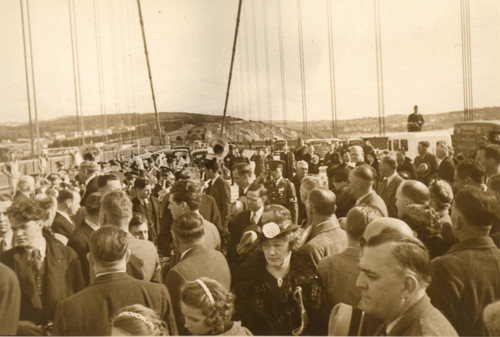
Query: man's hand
{"x": 28, "y": 328}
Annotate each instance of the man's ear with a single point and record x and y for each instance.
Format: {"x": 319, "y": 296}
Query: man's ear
{"x": 410, "y": 285}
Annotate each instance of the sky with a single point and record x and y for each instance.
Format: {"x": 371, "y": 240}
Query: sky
{"x": 190, "y": 44}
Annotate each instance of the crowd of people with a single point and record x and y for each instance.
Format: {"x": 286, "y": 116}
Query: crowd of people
{"x": 380, "y": 245}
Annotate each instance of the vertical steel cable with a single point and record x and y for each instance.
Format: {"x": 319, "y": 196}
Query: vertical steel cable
{"x": 233, "y": 52}
{"x": 302, "y": 72}
{"x": 381, "y": 68}
{"x": 247, "y": 59}
{"x": 282, "y": 65}
{"x": 256, "y": 61}
{"x": 268, "y": 76}
{"x": 240, "y": 82}
{"x": 97, "y": 28}
{"x": 464, "y": 71}
{"x": 35, "y": 108}
{"x": 469, "y": 62}
{"x": 380, "y": 78}
{"x": 76, "y": 75}
{"x": 113, "y": 60}
{"x": 28, "y": 96}
{"x": 149, "y": 70}
{"x": 333, "y": 97}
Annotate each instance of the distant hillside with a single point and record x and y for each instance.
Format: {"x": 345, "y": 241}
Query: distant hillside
{"x": 237, "y": 129}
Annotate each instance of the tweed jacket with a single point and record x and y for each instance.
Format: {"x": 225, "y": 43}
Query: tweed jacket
{"x": 375, "y": 201}
{"x": 326, "y": 238}
{"x": 464, "y": 281}
{"x": 388, "y": 194}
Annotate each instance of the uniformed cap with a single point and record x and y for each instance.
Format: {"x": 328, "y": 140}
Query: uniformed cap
{"x": 273, "y": 164}
{"x": 424, "y": 143}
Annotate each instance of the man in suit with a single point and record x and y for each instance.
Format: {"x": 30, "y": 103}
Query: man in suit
{"x": 361, "y": 181}
{"x": 410, "y": 192}
{"x": 339, "y": 271}
{"x": 312, "y": 160}
{"x": 324, "y": 235}
{"x": 80, "y": 238}
{"x": 289, "y": 159}
{"x": 47, "y": 271}
{"x": 302, "y": 169}
{"x": 25, "y": 189}
{"x": 218, "y": 188}
{"x": 148, "y": 206}
{"x": 5, "y": 229}
{"x": 426, "y": 163}
{"x": 243, "y": 176}
{"x": 87, "y": 175}
{"x": 195, "y": 260}
{"x": 389, "y": 185}
{"x": 185, "y": 196}
{"x": 246, "y": 222}
{"x": 489, "y": 157}
{"x": 89, "y": 312}
{"x": 393, "y": 280}
{"x": 207, "y": 208}
{"x": 406, "y": 168}
{"x": 116, "y": 209}
{"x": 68, "y": 203}
{"x": 467, "y": 278}
{"x": 446, "y": 168}
{"x": 10, "y": 301}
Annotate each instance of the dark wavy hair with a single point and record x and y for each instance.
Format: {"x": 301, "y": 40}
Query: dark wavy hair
{"x": 218, "y": 315}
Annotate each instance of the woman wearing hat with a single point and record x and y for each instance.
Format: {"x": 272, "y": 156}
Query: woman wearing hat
{"x": 277, "y": 289}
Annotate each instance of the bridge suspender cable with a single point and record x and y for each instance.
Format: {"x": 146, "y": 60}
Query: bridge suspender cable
{"x": 231, "y": 66}
{"x": 256, "y": 61}
{"x": 97, "y": 27}
{"x": 268, "y": 77}
{"x": 333, "y": 98}
{"x": 149, "y": 71}
{"x": 76, "y": 67}
{"x": 27, "y": 78}
{"x": 282, "y": 64}
{"x": 466, "y": 60}
{"x": 302, "y": 72}
{"x": 380, "y": 69}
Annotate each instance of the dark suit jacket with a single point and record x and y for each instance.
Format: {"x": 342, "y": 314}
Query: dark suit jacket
{"x": 79, "y": 241}
{"x": 151, "y": 213}
{"x": 408, "y": 167}
{"x": 62, "y": 226}
{"x": 431, "y": 161}
{"x": 375, "y": 201}
{"x": 289, "y": 166}
{"x": 196, "y": 263}
{"x": 90, "y": 188}
{"x": 465, "y": 281}
{"x": 10, "y": 301}
{"x": 88, "y": 313}
{"x": 208, "y": 210}
{"x": 62, "y": 278}
{"x": 423, "y": 319}
{"x": 446, "y": 170}
{"x": 221, "y": 192}
{"x": 388, "y": 194}
{"x": 236, "y": 229}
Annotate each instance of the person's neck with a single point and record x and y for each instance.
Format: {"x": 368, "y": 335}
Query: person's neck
{"x": 63, "y": 210}
{"x": 37, "y": 243}
{"x": 352, "y": 242}
{"x": 6, "y": 233}
{"x": 93, "y": 219}
{"x": 389, "y": 174}
{"x": 410, "y": 302}
{"x": 183, "y": 247}
{"x": 120, "y": 266}
{"x": 363, "y": 193}
{"x": 465, "y": 234}
{"x": 318, "y": 218}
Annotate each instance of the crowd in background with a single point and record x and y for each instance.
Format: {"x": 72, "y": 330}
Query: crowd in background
{"x": 360, "y": 242}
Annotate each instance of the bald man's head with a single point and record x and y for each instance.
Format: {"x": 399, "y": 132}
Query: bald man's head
{"x": 386, "y": 224}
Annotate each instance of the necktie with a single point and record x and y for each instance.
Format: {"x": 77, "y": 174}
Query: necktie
{"x": 383, "y": 186}
{"x": 254, "y": 219}
{"x": 36, "y": 259}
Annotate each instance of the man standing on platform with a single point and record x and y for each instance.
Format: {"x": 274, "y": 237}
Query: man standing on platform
{"x": 415, "y": 121}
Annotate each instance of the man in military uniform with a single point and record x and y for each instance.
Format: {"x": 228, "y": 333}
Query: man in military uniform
{"x": 280, "y": 190}
{"x": 415, "y": 120}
